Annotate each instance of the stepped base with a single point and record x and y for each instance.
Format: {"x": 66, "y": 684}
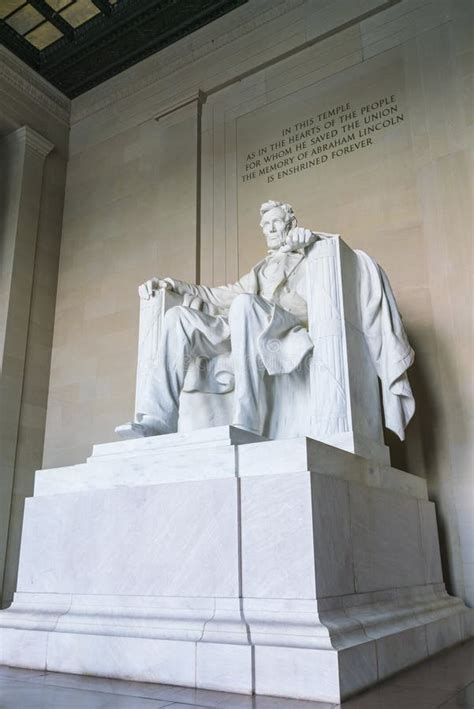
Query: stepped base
{"x": 216, "y": 560}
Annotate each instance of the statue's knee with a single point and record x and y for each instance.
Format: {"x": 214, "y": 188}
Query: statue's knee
{"x": 174, "y": 316}
{"x": 242, "y": 305}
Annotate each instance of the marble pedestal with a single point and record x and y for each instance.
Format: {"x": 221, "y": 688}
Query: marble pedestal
{"x": 216, "y": 560}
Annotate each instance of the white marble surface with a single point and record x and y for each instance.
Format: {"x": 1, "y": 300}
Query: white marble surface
{"x": 219, "y": 665}
{"x": 21, "y": 647}
{"x": 332, "y": 521}
{"x": 429, "y": 542}
{"x": 445, "y": 632}
{"x": 295, "y": 672}
{"x": 140, "y": 659}
{"x": 173, "y": 538}
{"x": 386, "y": 540}
{"x": 165, "y": 459}
{"x": 150, "y": 461}
{"x": 399, "y": 650}
{"x": 205, "y": 437}
{"x": 445, "y": 679}
{"x": 296, "y": 455}
{"x": 154, "y": 468}
{"x": 298, "y": 575}
{"x": 358, "y": 667}
{"x": 277, "y": 537}
{"x": 345, "y": 398}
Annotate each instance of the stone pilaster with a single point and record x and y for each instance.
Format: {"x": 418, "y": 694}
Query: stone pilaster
{"x": 23, "y": 153}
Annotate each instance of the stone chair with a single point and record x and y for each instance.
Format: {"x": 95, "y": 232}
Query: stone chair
{"x": 334, "y": 397}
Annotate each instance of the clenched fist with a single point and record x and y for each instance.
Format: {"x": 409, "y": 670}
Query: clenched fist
{"x": 298, "y": 238}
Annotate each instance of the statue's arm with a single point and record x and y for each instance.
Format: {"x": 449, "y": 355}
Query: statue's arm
{"x": 218, "y": 296}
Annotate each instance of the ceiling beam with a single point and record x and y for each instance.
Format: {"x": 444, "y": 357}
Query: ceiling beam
{"x": 53, "y": 17}
{"x": 104, "y": 45}
{"x": 104, "y": 6}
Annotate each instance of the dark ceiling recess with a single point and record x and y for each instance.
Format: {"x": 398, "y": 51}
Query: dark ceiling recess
{"x": 78, "y": 44}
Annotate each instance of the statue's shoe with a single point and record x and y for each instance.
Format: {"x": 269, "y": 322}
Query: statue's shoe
{"x": 132, "y": 429}
{"x": 144, "y": 426}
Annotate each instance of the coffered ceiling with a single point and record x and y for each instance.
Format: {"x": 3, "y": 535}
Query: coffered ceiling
{"x": 77, "y": 44}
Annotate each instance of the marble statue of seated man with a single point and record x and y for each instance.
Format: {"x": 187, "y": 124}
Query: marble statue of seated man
{"x": 259, "y": 326}
{"x": 260, "y": 321}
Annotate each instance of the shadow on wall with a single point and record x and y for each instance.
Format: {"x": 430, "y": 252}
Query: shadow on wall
{"x": 3, "y": 214}
{"x": 426, "y": 451}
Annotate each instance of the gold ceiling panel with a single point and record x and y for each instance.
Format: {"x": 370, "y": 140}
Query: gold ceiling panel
{"x": 44, "y": 35}
{"x": 7, "y": 6}
{"x": 80, "y": 12}
{"x": 58, "y": 4}
{"x": 24, "y": 19}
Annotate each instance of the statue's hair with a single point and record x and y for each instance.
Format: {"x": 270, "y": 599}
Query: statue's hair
{"x": 271, "y": 204}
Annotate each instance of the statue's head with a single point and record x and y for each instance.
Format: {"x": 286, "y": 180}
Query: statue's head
{"x": 277, "y": 220}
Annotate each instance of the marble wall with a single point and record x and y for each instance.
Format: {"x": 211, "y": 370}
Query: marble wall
{"x": 168, "y": 197}
{"x": 34, "y": 127}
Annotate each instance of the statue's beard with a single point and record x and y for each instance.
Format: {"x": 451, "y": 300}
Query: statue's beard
{"x": 276, "y": 241}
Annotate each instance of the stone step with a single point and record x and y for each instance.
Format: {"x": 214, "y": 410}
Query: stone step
{"x": 224, "y": 451}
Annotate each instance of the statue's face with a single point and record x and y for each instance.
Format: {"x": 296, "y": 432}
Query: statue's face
{"x": 275, "y": 226}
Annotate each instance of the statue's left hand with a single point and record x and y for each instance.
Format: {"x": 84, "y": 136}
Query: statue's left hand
{"x": 299, "y": 238}
{"x": 147, "y": 290}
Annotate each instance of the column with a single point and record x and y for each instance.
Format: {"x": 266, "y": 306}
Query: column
{"x": 22, "y": 157}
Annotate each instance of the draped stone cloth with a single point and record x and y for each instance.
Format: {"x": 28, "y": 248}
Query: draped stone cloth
{"x": 387, "y": 343}
{"x": 281, "y": 279}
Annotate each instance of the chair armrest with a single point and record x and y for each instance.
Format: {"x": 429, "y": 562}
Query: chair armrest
{"x": 345, "y": 400}
{"x": 152, "y": 312}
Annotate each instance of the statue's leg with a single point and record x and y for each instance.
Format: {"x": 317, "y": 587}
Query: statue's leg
{"x": 248, "y": 317}
{"x": 186, "y": 333}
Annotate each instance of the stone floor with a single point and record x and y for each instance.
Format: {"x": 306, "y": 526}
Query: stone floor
{"x": 445, "y": 681}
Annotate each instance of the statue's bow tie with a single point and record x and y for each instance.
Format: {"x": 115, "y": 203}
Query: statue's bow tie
{"x": 279, "y": 264}
{"x": 279, "y": 255}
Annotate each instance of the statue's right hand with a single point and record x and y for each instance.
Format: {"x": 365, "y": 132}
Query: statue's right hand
{"x": 148, "y": 289}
